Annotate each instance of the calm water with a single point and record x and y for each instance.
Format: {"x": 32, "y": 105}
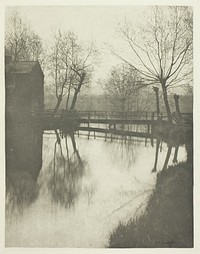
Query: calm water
{"x": 81, "y": 196}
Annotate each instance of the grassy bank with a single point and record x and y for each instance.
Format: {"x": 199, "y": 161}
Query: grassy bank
{"x": 168, "y": 219}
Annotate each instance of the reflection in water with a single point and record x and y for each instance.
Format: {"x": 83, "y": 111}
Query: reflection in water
{"x": 156, "y": 155}
{"x": 175, "y": 158}
{"x": 169, "y": 150}
{"x": 66, "y": 174}
{"x": 78, "y": 198}
{"x": 123, "y": 150}
{"x": 168, "y": 154}
{"x": 21, "y": 190}
{"x": 23, "y": 164}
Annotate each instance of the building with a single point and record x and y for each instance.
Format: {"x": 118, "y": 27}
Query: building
{"x": 24, "y": 82}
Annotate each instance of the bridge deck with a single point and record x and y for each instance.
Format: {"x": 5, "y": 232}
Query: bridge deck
{"x": 50, "y": 119}
{"x": 96, "y": 116}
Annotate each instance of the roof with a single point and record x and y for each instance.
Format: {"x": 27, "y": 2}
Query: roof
{"x": 24, "y": 67}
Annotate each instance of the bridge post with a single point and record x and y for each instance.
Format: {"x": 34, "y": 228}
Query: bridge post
{"x": 107, "y": 127}
{"x": 156, "y": 156}
{"x": 176, "y": 100}
{"x": 156, "y": 90}
{"x": 88, "y": 125}
{"x": 152, "y": 128}
{"x": 147, "y": 129}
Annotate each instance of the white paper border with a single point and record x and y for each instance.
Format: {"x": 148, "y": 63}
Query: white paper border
{"x": 196, "y": 9}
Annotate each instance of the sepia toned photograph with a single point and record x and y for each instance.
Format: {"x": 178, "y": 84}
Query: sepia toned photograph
{"x": 99, "y": 126}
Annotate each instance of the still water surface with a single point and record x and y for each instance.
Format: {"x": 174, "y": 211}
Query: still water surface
{"x": 83, "y": 195}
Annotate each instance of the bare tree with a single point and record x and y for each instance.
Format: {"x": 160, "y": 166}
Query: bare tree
{"x": 161, "y": 49}
{"x": 83, "y": 67}
{"x": 59, "y": 66}
{"x": 70, "y": 65}
{"x": 21, "y": 42}
{"x": 122, "y": 88}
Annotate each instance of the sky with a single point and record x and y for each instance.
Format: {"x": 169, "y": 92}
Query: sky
{"x": 90, "y": 23}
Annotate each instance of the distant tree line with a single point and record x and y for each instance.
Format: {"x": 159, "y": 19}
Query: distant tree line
{"x": 102, "y": 103}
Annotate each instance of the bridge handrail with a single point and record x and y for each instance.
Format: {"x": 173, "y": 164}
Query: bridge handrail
{"x": 128, "y": 115}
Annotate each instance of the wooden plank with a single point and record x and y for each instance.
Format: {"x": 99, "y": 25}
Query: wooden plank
{"x": 116, "y": 132}
{"x": 117, "y": 121}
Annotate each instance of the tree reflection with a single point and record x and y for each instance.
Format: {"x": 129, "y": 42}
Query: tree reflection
{"x": 21, "y": 190}
{"x": 67, "y": 171}
{"x": 175, "y": 136}
{"x": 156, "y": 155}
{"x": 169, "y": 150}
{"x": 125, "y": 149}
{"x": 168, "y": 154}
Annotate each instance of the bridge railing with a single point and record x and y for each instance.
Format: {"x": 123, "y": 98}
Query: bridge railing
{"x": 92, "y": 114}
{"x": 47, "y": 113}
{"x": 128, "y": 115}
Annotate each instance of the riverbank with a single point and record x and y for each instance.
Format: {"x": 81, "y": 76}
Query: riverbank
{"x": 168, "y": 219}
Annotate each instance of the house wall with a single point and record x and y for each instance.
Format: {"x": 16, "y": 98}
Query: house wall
{"x": 24, "y": 92}
{"x": 23, "y": 139}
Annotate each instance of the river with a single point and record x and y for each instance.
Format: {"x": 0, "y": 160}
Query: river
{"x": 81, "y": 194}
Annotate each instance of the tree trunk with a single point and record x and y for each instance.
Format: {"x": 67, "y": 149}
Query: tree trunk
{"x": 73, "y": 141}
{"x": 67, "y": 102}
{"x": 176, "y": 99}
{"x": 77, "y": 91}
{"x": 59, "y": 99}
{"x": 165, "y": 97}
{"x": 74, "y": 99}
{"x": 157, "y": 104}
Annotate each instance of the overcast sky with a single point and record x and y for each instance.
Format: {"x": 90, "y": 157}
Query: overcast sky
{"x": 90, "y": 23}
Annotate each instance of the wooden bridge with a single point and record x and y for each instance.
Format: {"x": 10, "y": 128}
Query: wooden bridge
{"x": 107, "y": 122}
{"x": 104, "y": 117}
{"x": 48, "y": 118}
